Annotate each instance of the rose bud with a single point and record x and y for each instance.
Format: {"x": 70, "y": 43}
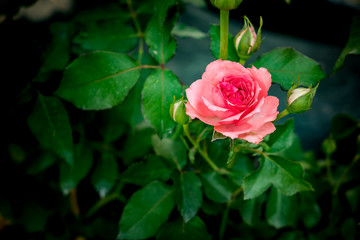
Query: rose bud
{"x": 300, "y": 99}
{"x": 226, "y": 4}
{"x": 247, "y": 41}
{"x": 178, "y": 111}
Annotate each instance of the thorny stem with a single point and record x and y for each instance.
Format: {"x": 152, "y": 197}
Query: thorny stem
{"x": 196, "y": 145}
{"x": 224, "y": 31}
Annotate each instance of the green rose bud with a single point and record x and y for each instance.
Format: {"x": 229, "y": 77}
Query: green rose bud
{"x": 247, "y": 41}
{"x": 328, "y": 146}
{"x": 300, "y": 99}
{"x": 226, "y": 4}
{"x": 178, "y": 111}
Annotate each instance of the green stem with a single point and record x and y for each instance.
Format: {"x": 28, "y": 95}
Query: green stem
{"x": 74, "y": 202}
{"x": 138, "y": 29}
{"x": 282, "y": 114}
{"x": 102, "y": 202}
{"x": 345, "y": 173}
{"x": 242, "y": 61}
{"x": 177, "y": 132}
{"x": 224, "y": 220}
{"x": 225, "y": 215}
{"x": 224, "y": 31}
{"x": 196, "y": 145}
{"x": 231, "y": 158}
{"x": 328, "y": 170}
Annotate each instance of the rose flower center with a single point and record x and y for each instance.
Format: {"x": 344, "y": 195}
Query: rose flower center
{"x": 237, "y": 91}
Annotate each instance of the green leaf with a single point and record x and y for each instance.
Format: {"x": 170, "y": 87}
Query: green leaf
{"x": 283, "y": 137}
{"x": 137, "y": 144}
{"x": 349, "y": 229}
{"x": 251, "y": 210}
{"x": 212, "y": 208}
{"x": 281, "y": 210}
{"x": 141, "y": 173}
{"x": 215, "y": 187}
{"x": 103, "y": 12}
{"x": 146, "y": 211}
{"x": 162, "y": 45}
{"x": 310, "y": 210}
{"x": 183, "y": 30}
{"x": 242, "y": 166}
{"x": 172, "y": 150}
{"x": 352, "y": 46}
{"x": 295, "y": 152}
{"x": 177, "y": 230}
{"x": 105, "y": 173}
{"x": 42, "y": 162}
{"x": 286, "y": 66}
{"x": 129, "y": 111}
{"x": 49, "y": 122}
{"x": 57, "y": 55}
{"x": 284, "y": 174}
{"x": 111, "y": 130}
{"x": 110, "y": 35}
{"x": 342, "y": 126}
{"x": 98, "y": 80}
{"x": 214, "y": 33}
{"x": 70, "y": 176}
{"x": 34, "y": 217}
{"x": 16, "y": 153}
{"x": 158, "y": 94}
{"x": 188, "y": 194}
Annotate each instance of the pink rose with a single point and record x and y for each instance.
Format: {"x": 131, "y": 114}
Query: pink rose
{"x": 234, "y": 100}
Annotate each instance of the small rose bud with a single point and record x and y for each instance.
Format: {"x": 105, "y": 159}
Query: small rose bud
{"x": 296, "y": 93}
{"x": 328, "y": 146}
{"x": 300, "y": 99}
{"x": 226, "y": 4}
{"x": 178, "y": 111}
{"x": 247, "y": 41}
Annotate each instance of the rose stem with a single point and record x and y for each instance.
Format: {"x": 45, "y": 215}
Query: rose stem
{"x": 242, "y": 61}
{"x": 224, "y": 31}
{"x": 282, "y": 114}
{"x": 196, "y": 145}
{"x": 345, "y": 173}
{"x": 138, "y": 29}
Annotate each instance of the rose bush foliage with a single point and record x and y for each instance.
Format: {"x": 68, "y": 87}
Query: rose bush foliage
{"x": 117, "y": 165}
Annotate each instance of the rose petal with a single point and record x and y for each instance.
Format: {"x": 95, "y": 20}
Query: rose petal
{"x": 267, "y": 113}
{"x": 233, "y": 131}
{"x": 195, "y": 93}
{"x": 218, "y": 69}
{"x": 262, "y": 76}
{"x": 213, "y": 107}
{"x": 191, "y": 112}
{"x": 257, "y": 136}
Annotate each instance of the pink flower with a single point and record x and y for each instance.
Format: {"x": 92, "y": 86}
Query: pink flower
{"x": 234, "y": 100}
